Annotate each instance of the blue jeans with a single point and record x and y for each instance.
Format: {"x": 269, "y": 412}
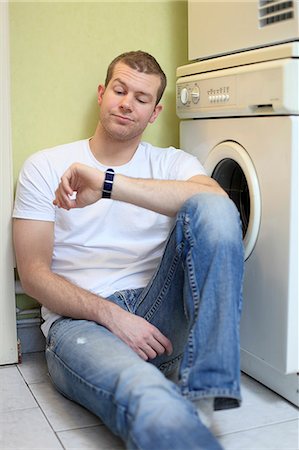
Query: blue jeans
{"x": 194, "y": 298}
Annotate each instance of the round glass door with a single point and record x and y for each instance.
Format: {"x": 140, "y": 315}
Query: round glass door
{"x": 229, "y": 164}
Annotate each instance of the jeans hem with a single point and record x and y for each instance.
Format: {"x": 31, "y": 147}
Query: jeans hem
{"x": 224, "y": 398}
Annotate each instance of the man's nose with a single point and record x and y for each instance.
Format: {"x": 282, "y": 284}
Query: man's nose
{"x": 126, "y": 103}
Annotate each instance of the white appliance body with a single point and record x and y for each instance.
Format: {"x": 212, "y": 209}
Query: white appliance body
{"x": 222, "y": 27}
{"x": 265, "y": 148}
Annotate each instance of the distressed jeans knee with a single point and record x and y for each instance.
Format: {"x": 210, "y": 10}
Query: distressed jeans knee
{"x": 214, "y": 216}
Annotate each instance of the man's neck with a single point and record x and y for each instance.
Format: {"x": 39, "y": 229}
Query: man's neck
{"x": 109, "y": 151}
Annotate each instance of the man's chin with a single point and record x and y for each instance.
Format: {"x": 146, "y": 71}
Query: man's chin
{"x": 123, "y": 133}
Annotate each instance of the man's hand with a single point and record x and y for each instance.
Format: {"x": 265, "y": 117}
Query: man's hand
{"x": 144, "y": 338}
{"x": 80, "y": 186}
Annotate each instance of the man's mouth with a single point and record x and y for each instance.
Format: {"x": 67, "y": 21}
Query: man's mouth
{"x": 123, "y": 118}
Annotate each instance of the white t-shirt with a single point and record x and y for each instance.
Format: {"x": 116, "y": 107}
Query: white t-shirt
{"x": 110, "y": 245}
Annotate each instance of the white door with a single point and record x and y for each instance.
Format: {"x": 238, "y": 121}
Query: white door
{"x": 8, "y": 334}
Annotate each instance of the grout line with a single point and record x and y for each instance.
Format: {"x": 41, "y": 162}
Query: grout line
{"x": 84, "y": 428}
{"x": 28, "y": 384}
{"x": 8, "y": 411}
{"x": 267, "y": 425}
{"x": 41, "y": 409}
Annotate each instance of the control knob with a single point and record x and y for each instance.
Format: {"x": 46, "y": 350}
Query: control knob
{"x": 184, "y": 96}
{"x": 195, "y": 94}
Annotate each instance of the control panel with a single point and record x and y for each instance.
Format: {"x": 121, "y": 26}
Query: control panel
{"x": 205, "y": 93}
{"x": 253, "y": 89}
{"x": 195, "y": 95}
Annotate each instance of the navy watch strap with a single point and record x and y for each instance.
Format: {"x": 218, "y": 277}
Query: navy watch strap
{"x": 108, "y": 183}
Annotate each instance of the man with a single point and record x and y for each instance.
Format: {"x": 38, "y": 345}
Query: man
{"x": 142, "y": 281}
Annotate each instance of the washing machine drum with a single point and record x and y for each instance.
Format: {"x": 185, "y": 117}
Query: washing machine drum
{"x": 230, "y": 165}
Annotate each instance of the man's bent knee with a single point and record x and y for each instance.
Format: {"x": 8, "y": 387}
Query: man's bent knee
{"x": 214, "y": 214}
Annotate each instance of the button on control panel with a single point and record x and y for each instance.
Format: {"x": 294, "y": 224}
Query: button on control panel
{"x": 218, "y": 98}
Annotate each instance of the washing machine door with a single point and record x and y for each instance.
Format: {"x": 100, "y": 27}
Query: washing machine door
{"x": 230, "y": 165}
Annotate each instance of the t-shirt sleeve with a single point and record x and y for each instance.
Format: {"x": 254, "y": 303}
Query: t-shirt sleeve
{"x": 34, "y": 194}
{"x": 182, "y": 165}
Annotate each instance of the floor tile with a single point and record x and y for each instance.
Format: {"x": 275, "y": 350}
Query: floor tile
{"x": 33, "y": 367}
{"x": 90, "y": 438}
{"x": 282, "y": 436}
{"x": 14, "y": 392}
{"x": 260, "y": 407}
{"x": 62, "y": 413}
{"x": 26, "y": 429}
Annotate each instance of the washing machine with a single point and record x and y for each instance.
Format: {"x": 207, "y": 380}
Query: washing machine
{"x": 242, "y": 123}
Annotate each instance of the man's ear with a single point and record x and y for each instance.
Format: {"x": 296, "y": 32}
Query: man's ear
{"x": 101, "y": 90}
{"x": 156, "y": 112}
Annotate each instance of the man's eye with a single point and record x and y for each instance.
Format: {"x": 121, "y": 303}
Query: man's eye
{"x": 140, "y": 100}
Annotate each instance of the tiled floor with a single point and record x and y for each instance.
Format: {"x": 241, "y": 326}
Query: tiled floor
{"x": 34, "y": 416}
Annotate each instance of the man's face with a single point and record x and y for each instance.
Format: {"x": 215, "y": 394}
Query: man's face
{"x": 128, "y": 103}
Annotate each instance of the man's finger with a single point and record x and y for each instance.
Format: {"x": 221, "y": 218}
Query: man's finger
{"x": 164, "y": 341}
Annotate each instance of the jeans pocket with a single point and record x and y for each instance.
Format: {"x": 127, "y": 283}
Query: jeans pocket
{"x": 126, "y": 298}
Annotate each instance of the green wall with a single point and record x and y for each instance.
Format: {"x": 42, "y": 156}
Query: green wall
{"x": 59, "y": 55}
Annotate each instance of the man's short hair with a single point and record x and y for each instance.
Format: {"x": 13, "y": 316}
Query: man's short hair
{"x": 142, "y": 62}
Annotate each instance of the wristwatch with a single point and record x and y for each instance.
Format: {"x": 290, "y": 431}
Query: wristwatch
{"x": 108, "y": 183}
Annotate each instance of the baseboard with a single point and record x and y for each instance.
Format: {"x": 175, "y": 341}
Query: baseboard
{"x": 286, "y": 385}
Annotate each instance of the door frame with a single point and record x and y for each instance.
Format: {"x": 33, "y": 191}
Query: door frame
{"x": 233, "y": 150}
{"x": 8, "y": 327}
